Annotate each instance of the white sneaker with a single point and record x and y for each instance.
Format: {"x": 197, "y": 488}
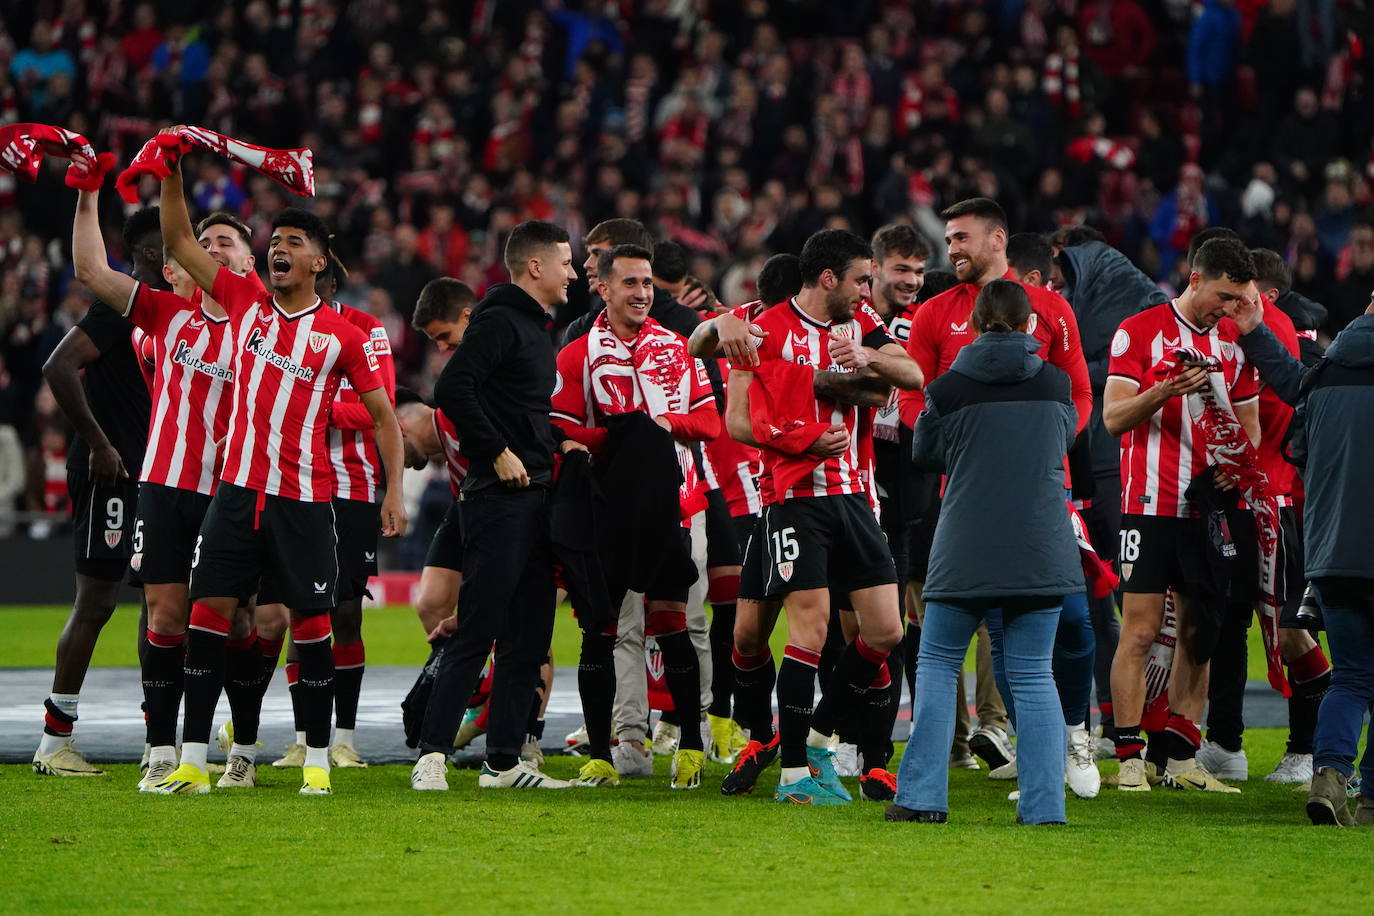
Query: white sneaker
{"x": 966, "y": 762}
{"x": 847, "y": 761}
{"x": 1294, "y": 768}
{"x": 993, "y": 745}
{"x": 239, "y": 773}
{"x": 428, "y": 774}
{"x": 143, "y": 761}
{"x": 155, "y": 774}
{"x": 575, "y": 745}
{"x": 665, "y": 739}
{"x": 532, "y": 752}
{"x": 1223, "y": 764}
{"x": 631, "y": 761}
{"x": 1080, "y": 769}
{"x": 65, "y": 761}
{"x": 520, "y": 776}
{"x": 1007, "y": 771}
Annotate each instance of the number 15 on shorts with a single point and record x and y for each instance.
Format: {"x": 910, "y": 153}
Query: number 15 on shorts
{"x": 785, "y": 551}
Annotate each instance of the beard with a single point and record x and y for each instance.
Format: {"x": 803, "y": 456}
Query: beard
{"x": 839, "y": 307}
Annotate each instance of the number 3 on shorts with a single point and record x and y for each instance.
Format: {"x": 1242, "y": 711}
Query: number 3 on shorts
{"x": 1130, "y": 545}
{"x": 195, "y": 557}
{"x": 785, "y": 546}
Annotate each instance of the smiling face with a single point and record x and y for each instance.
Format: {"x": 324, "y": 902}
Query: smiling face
{"x": 552, "y": 271}
{"x": 629, "y": 293}
{"x": 843, "y": 293}
{"x": 898, "y": 280}
{"x": 293, "y": 259}
{"x": 594, "y": 251}
{"x": 229, "y": 249}
{"x": 975, "y": 246}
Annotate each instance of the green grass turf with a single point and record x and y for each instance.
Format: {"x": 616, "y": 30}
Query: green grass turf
{"x": 392, "y": 634}
{"x": 78, "y": 845}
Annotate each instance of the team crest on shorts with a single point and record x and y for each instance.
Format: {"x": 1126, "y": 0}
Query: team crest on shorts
{"x": 318, "y": 341}
{"x": 1126, "y": 569}
{"x": 785, "y": 570}
{"x": 112, "y": 538}
{"x": 136, "y": 562}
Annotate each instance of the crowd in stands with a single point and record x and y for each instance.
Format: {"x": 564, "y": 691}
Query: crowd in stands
{"x": 733, "y": 128}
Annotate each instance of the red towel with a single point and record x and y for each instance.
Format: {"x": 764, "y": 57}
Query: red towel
{"x": 782, "y": 417}
{"x": 293, "y": 169}
{"x": 22, "y": 147}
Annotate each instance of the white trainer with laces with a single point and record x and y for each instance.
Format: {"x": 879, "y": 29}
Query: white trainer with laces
{"x": 1223, "y": 764}
{"x": 1293, "y": 768}
{"x": 65, "y": 761}
{"x": 429, "y": 773}
{"x": 847, "y": 760}
{"x": 1007, "y": 771}
{"x": 632, "y": 760}
{"x": 1080, "y": 769}
{"x": 521, "y": 776}
{"x": 239, "y": 773}
{"x": 665, "y": 739}
{"x": 155, "y": 774}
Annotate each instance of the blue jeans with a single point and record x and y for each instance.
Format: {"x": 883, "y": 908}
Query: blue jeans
{"x": 1028, "y": 635}
{"x": 1350, "y": 635}
{"x": 1074, "y": 648}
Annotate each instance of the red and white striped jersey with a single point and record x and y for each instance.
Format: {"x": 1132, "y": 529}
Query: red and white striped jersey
{"x": 448, "y": 441}
{"x": 352, "y": 437}
{"x": 798, "y": 338}
{"x": 146, "y": 351}
{"x": 192, "y": 387}
{"x": 287, "y": 370}
{"x": 733, "y": 468}
{"x": 1160, "y": 457}
{"x": 889, "y": 415}
{"x": 600, "y": 375}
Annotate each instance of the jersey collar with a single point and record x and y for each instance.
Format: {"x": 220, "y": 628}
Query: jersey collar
{"x": 1173, "y": 304}
{"x": 301, "y": 314}
{"x": 807, "y": 319}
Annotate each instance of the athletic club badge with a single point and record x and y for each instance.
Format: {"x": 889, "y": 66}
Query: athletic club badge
{"x": 318, "y": 341}
{"x": 785, "y": 570}
{"x": 112, "y": 538}
{"x": 1126, "y": 569}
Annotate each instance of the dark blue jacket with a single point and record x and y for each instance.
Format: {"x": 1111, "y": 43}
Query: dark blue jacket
{"x": 1212, "y": 44}
{"x": 1333, "y": 443}
{"x": 999, "y": 424}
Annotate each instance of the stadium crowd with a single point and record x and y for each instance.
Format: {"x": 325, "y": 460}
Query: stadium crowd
{"x": 692, "y": 157}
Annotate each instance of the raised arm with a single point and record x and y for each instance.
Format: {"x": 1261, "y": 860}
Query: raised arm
{"x": 378, "y": 404}
{"x": 93, "y": 269}
{"x": 63, "y": 374}
{"x": 179, "y": 236}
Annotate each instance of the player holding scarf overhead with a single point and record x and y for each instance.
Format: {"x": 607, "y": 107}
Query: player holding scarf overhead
{"x": 629, "y": 363}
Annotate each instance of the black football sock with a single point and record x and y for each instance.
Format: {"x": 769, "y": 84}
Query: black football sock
{"x": 207, "y": 650}
{"x": 596, "y": 684}
{"x": 1182, "y": 737}
{"x": 796, "y": 690}
{"x": 682, "y": 671}
{"x": 162, "y": 680}
{"x": 1128, "y": 742}
{"x": 349, "y": 662}
{"x": 722, "y": 669}
{"x": 243, "y": 687}
{"x": 315, "y": 687}
{"x": 855, "y": 671}
{"x": 754, "y": 679}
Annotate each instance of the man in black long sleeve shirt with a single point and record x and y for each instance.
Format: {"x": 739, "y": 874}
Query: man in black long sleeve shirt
{"x": 496, "y": 390}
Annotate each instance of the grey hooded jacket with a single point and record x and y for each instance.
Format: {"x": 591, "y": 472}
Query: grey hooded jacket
{"x": 999, "y": 424}
{"x": 1332, "y": 442}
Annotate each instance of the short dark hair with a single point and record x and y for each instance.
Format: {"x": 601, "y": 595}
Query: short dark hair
{"x": 141, "y": 224}
{"x": 1070, "y": 236}
{"x": 984, "y": 207}
{"x": 901, "y": 240}
{"x": 225, "y": 218}
{"x": 406, "y": 396}
{"x": 606, "y": 263}
{"x": 1225, "y": 256}
{"x": 619, "y": 231}
{"x": 1271, "y": 270}
{"x": 1202, "y": 237}
{"x": 1002, "y": 305}
{"x": 306, "y": 221}
{"x": 442, "y": 299}
{"x": 780, "y": 278}
{"x": 830, "y": 249}
{"x": 1027, "y": 251}
{"x": 669, "y": 260}
{"x": 529, "y": 238}
{"x": 937, "y": 282}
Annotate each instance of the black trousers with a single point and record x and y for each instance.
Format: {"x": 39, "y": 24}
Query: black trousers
{"x": 1226, "y": 682}
{"x": 1103, "y": 521}
{"x": 507, "y": 598}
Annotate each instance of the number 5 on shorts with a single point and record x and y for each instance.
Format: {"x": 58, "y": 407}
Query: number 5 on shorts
{"x": 785, "y": 546}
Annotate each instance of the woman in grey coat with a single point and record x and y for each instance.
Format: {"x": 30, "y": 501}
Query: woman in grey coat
{"x": 998, "y": 424}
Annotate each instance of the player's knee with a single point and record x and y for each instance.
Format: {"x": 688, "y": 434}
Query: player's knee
{"x": 885, "y": 638}
{"x": 1135, "y": 639}
{"x": 166, "y": 617}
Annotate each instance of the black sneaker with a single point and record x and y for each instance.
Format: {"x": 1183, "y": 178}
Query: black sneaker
{"x": 896, "y": 812}
{"x": 753, "y": 760}
{"x": 878, "y": 785}
{"x": 992, "y": 745}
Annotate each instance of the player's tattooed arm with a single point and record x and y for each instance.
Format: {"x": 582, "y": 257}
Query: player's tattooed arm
{"x": 863, "y": 388}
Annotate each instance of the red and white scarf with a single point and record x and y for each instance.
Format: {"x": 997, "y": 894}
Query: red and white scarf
{"x": 1229, "y": 448}
{"x": 652, "y": 373}
{"x": 293, "y": 169}
{"x": 1061, "y": 82}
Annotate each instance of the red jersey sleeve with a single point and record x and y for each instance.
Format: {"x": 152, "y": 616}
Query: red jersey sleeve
{"x": 872, "y": 332}
{"x": 1246, "y": 388}
{"x": 568, "y": 405}
{"x": 234, "y": 293}
{"x": 356, "y": 361}
{"x": 702, "y": 421}
{"x": 153, "y": 309}
{"x": 350, "y": 414}
{"x": 1066, "y": 352}
{"x": 1129, "y": 356}
{"x": 920, "y": 346}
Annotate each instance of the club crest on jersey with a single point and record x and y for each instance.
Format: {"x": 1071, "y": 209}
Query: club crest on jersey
{"x": 319, "y": 340}
{"x": 1030, "y": 324}
{"x": 113, "y": 537}
{"x": 1228, "y": 350}
{"x": 785, "y": 570}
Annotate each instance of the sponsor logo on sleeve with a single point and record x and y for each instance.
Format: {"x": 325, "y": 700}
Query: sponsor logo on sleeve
{"x": 381, "y": 345}
{"x": 1121, "y": 342}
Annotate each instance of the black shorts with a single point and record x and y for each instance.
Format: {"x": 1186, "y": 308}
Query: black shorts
{"x": 1158, "y": 553}
{"x": 103, "y": 527}
{"x": 165, "y": 533}
{"x": 824, "y": 542}
{"x": 669, "y": 587}
{"x": 359, "y": 527}
{"x": 1294, "y": 574}
{"x": 285, "y": 550}
{"x": 751, "y": 571}
{"x": 446, "y": 550}
{"x": 722, "y": 546}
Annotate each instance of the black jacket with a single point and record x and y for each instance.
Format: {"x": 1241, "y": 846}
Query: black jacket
{"x": 496, "y": 387}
